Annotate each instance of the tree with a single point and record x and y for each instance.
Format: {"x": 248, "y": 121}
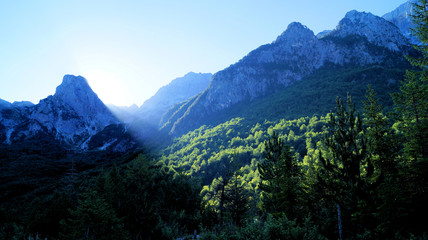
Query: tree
{"x": 236, "y": 196}
{"x": 94, "y": 218}
{"x": 342, "y": 175}
{"x": 222, "y": 192}
{"x": 411, "y": 103}
{"x": 381, "y": 144}
{"x": 411, "y": 106}
{"x": 280, "y": 175}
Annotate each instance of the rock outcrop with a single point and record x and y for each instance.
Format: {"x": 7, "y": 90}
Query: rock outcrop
{"x": 72, "y": 116}
{"x": 360, "y": 38}
{"x": 177, "y": 91}
{"x": 401, "y": 17}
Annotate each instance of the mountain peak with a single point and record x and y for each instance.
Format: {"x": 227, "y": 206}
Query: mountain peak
{"x": 72, "y": 83}
{"x": 76, "y": 92}
{"x": 296, "y": 33}
{"x": 401, "y": 17}
{"x": 5, "y": 104}
{"x": 376, "y": 29}
{"x": 359, "y": 17}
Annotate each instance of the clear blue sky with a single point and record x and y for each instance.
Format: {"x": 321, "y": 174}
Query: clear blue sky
{"x": 127, "y": 49}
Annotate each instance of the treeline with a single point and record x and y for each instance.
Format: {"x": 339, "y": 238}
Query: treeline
{"x": 348, "y": 175}
{"x": 344, "y": 175}
{"x": 139, "y": 200}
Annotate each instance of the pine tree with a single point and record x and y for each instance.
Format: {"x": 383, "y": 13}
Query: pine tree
{"x": 411, "y": 105}
{"x": 281, "y": 178}
{"x": 343, "y": 168}
{"x": 94, "y": 218}
{"x": 384, "y": 181}
{"x": 382, "y": 146}
{"x": 236, "y": 204}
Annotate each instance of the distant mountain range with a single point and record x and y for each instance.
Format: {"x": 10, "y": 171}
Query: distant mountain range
{"x": 361, "y": 40}
{"x": 298, "y": 74}
{"x": 363, "y": 47}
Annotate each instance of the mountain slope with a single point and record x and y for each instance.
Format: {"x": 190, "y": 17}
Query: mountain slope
{"x": 401, "y": 18}
{"x": 178, "y": 90}
{"x": 71, "y": 116}
{"x": 42, "y": 144}
{"x": 360, "y": 39}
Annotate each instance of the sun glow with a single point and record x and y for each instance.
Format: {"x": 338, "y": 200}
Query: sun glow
{"x": 108, "y": 87}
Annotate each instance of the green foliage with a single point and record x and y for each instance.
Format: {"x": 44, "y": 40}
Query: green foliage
{"x": 271, "y": 228}
{"x": 281, "y": 178}
{"x": 345, "y": 168}
{"x": 93, "y": 218}
{"x": 411, "y": 105}
{"x": 255, "y": 176}
{"x": 381, "y": 144}
{"x": 152, "y": 201}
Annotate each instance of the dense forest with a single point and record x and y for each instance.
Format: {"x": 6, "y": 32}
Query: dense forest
{"x": 354, "y": 173}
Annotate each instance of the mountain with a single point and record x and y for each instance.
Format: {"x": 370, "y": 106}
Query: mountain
{"x": 5, "y": 104}
{"x": 360, "y": 40}
{"x": 126, "y": 114}
{"x": 401, "y": 18}
{"x": 323, "y": 33}
{"x": 68, "y": 132}
{"x": 71, "y": 117}
{"x": 375, "y": 29}
{"x": 177, "y": 91}
{"x": 23, "y": 104}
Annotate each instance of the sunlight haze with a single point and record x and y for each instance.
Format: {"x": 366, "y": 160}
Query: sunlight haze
{"x": 128, "y": 49}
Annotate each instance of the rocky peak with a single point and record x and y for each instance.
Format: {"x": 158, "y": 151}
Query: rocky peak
{"x": 403, "y": 11}
{"x": 4, "y": 104}
{"x": 23, "y": 104}
{"x": 359, "y": 17}
{"x": 76, "y": 92}
{"x": 400, "y": 17}
{"x": 296, "y": 33}
{"x": 73, "y": 87}
{"x": 376, "y": 29}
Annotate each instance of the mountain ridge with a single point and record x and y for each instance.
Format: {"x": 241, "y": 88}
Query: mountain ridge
{"x": 295, "y": 54}
{"x": 178, "y": 90}
{"x": 72, "y": 116}
{"x": 401, "y": 18}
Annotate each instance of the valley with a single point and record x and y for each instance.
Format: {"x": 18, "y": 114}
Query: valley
{"x": 308, "y": 137}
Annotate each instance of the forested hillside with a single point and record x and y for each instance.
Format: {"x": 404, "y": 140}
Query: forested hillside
{"x": 332, "y": 161}
{"x": 290, "y": 179}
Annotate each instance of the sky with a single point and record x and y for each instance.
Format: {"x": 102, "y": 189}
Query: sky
{"x": 128, "y": 49}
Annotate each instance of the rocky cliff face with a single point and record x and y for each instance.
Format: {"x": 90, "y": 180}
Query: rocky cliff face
{"x": 400, "y": 17}
{"x": 360, "y": 39}
{"x": 178, "y": 90}
{"x": 71, "y": 116}
{"x": 375, "y": 29}
{"x": 75, "y": 112}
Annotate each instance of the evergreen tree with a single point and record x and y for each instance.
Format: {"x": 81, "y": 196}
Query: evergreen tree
{"x": 381, "y": 144}
{"x": 343, "y": 171}
{"x": 236, "y": 204}
{"x": 411, "y": 105}
{"x": 384, "y": 181}
{"x": 281, "y": 179}
{"x": 94, "y": 218}
{"x": 411, "y": 102}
